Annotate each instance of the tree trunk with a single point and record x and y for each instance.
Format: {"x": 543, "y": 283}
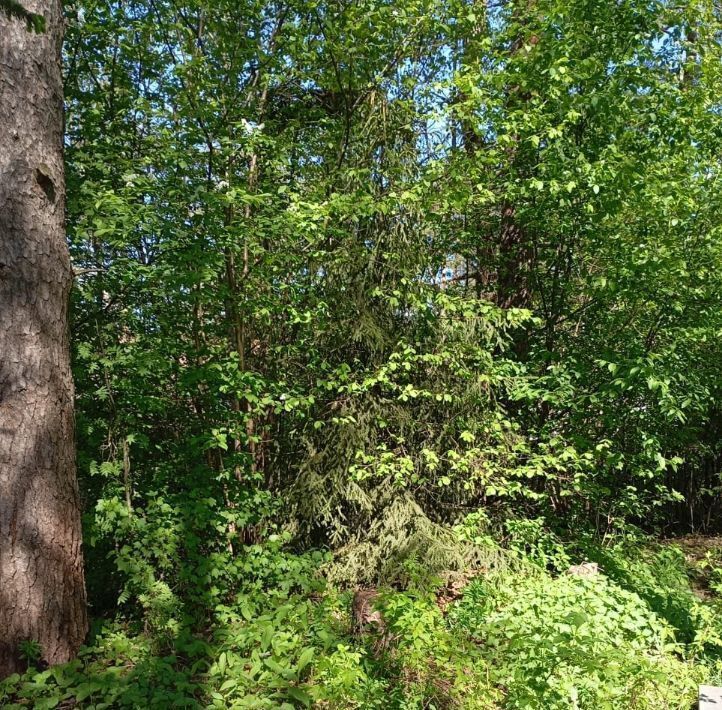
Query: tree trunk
{"x": 42, "y": 591}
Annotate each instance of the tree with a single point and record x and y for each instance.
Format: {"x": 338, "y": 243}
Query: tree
{"x": 313, "y": 227}
{"x": 42, "y": 590}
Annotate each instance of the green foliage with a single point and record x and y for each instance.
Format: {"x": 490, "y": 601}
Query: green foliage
{"x": 531, "y": 540}
{"x": 660, "y": 575}
{"x": 571, "y": 641}
{"x": 304, "y": 274}
{"x": 372, "y": 293}
{"x": 518, "y": 638}
{"x": 343, "y": 679}
{"x": 437, "y": 667}
{"x": 30, "y": 651}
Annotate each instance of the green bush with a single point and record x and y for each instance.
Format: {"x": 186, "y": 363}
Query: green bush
{"x": 571, "y": 642}
{"x": 435, "y": 666}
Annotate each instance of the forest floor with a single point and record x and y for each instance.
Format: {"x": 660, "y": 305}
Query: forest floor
{"x": 700, "y": 552}
{"x": 523, "y": 633}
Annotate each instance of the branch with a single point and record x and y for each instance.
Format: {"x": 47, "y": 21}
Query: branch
{"x": 82, "y": 272}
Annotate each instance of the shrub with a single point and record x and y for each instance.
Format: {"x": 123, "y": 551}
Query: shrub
{"x": 571, "y": 642}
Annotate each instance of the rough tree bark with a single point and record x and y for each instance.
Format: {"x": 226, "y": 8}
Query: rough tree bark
{"x": 42, "y": 591}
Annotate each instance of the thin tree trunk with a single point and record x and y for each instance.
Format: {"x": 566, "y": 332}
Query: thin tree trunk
{"x": 238, "y": 321}
{"x": 42, "y": 591}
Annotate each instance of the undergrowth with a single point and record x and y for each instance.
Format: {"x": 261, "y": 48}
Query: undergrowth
{"x": 521, "y": 633}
